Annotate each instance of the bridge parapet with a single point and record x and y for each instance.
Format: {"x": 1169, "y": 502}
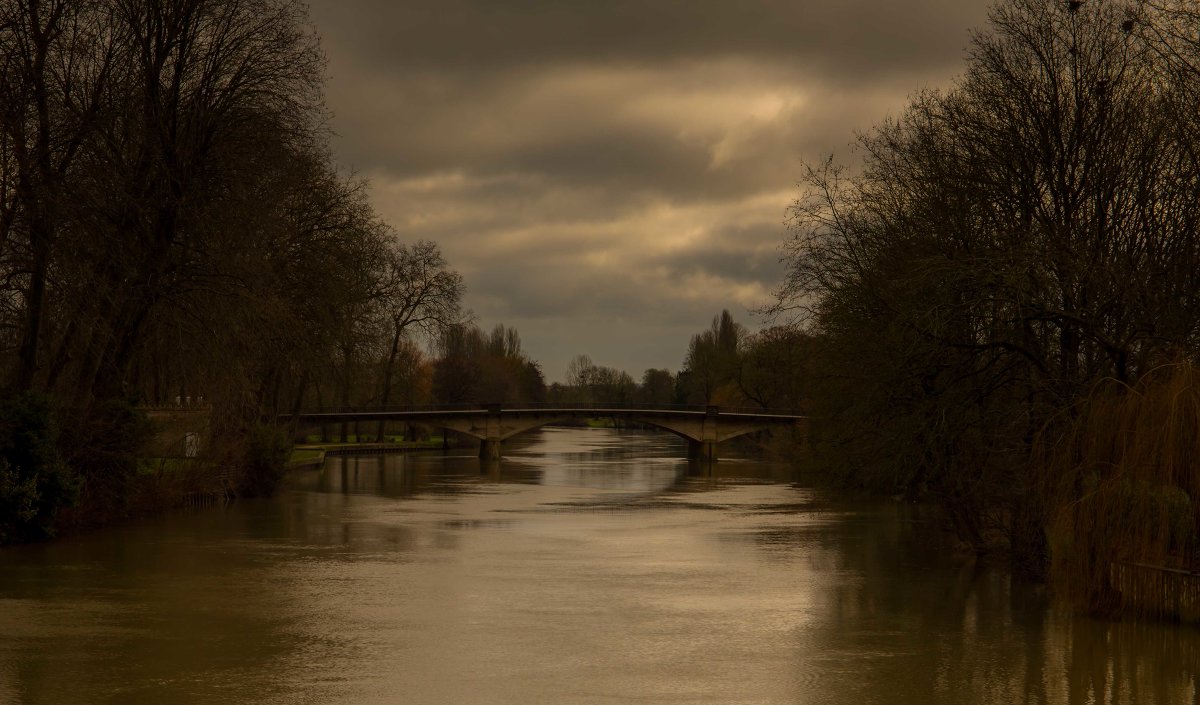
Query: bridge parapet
{"x": 542, "y": 406}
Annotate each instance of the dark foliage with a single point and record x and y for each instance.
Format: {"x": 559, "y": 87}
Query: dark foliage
{"x": 266, "y": 454}
{"x": 35, "y": 482}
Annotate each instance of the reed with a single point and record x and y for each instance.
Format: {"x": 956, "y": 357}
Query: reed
{"x": 1120, "y": 474}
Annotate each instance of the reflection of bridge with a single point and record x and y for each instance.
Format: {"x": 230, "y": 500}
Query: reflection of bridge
{"x": 703, "y": 427}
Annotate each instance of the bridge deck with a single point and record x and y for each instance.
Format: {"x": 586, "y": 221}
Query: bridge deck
{"x": 573, "y": 411}
{"x": 703, "y": 427}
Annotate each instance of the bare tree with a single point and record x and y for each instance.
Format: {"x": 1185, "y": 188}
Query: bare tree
{"x": 207, "y": 78}
{"x": 475, "y": 367}
{"x": 1006, "y": 244}
{"x": 774, "y": 367}
{"x": 419, "y": 292}
{"x": 577, "y": 370}
{"x": 57, "y": 64}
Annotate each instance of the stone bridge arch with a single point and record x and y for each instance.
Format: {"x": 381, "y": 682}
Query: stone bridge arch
{"x": 702, "y": 431}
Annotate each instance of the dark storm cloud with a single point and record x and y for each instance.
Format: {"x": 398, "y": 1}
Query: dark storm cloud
{"x": 737, "y": 254}
{"x": 608, "y": 176}
{"x": 848, "y": 38}
{"x": 578, "y": 123}
{"x": 589, "y": 276}
{"x": 619, "y": 158}
{"x": 574, "y": 292}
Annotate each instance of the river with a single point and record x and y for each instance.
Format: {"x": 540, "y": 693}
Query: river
{"x": 588, "y": 566}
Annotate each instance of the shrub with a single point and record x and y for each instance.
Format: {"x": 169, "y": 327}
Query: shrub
{"x": 35, "y": 482}
{"x": 266, "y": 454}
{"x": 104, "y": 449}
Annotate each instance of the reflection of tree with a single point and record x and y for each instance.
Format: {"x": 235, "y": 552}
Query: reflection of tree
{"x": 396, "y": 476}
{"x": 923, "y": 626}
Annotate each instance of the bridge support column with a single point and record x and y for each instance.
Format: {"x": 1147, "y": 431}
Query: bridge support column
{"x": 489, "y": 449}
{"x": 702, "y": 450}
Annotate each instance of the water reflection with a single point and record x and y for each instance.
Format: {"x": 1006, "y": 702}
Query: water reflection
{"x": 588, "y": 566}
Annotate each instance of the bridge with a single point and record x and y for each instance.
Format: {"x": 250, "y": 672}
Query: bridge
{"x": 702, "y": 426}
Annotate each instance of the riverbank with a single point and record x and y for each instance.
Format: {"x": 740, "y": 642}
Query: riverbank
{"x": 309, "y": 455}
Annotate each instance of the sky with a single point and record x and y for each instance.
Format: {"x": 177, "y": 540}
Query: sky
{"x": 609, "y": 175}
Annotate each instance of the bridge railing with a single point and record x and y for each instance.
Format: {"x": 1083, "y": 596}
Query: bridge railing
{"x": 540, "y": 406}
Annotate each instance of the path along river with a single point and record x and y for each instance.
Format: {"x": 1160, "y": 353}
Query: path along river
{"x": 589, "y": 566}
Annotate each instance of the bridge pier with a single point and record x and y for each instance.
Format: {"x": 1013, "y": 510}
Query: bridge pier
{"x": 489, "y": 449}
{"x": 702, "y": 450}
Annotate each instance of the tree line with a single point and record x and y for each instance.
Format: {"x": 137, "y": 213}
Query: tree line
{"x": 724, "y": 365}
{"x": 1005, "y": 294}
{"x": 174, "y": 233}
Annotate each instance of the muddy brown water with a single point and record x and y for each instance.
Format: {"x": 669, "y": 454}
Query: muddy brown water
{"x": 588, "y": 566}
